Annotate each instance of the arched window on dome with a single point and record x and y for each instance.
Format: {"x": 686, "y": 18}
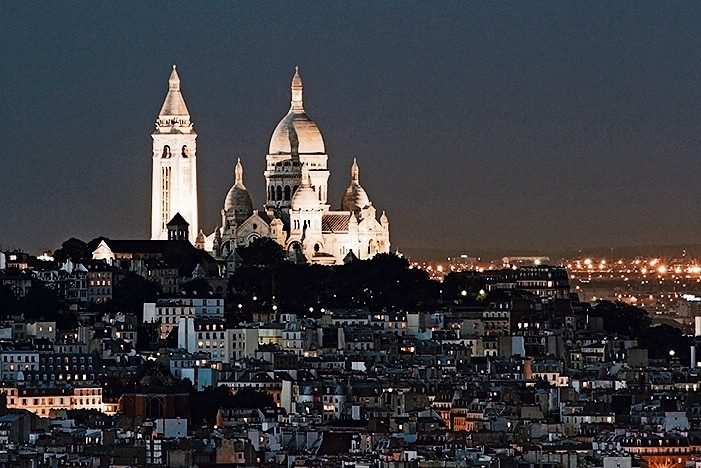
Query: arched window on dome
{"x": 278, "y": 192}
{"x": 287, "y": 193}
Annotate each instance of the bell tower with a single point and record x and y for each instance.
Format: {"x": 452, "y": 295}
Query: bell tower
{"x": 174, "y": 177}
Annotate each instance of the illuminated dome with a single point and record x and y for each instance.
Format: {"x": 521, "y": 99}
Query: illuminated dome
{"x": 355, "y": 197}
{"x": 238, "y": 198}
{"x": 305, "y": 197}
{"x": 296, "y": 133}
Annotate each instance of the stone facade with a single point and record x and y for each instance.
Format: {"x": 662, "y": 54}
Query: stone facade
{"x": 296, "y": 212}
{"x": 174, "y": 165}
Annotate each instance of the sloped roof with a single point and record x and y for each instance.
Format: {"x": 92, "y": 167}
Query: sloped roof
{"x": 177, "y": 220}
{"x": 335, "y": 222}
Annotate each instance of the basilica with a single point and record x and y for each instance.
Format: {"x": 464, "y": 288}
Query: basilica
{"x": 296, "y": 213}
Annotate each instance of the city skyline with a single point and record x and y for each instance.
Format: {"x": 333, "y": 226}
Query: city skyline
{"x": 572, "y": 127}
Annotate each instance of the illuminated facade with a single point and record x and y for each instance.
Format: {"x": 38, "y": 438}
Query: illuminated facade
{"x": 296, "y": 212}
{"x": 174, "y": 175}
{"x": 43, "y": 401}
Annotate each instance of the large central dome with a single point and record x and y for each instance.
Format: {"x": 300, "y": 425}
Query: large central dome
{"x": 296, "y": 133}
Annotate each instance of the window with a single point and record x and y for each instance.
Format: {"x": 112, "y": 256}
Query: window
{"x": 287, "y": 192}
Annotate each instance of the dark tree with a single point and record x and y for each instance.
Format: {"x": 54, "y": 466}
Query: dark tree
{"x": 41, "y": 303}
{"x": 385, "y": 282}
{"x": 74, "y": 249}
{"x": 455, "y": 283}
{"x": 622, "y": 319}
{"x": 263, "y": 251}
{"x": 132, "y": 291}
{"x": 9, "y": 305}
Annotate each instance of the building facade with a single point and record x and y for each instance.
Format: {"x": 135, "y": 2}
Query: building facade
{"x": 296, "y": 213}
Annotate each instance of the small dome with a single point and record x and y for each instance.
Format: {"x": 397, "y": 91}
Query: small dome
{"x": 355, "y": 197}
{"x": 305, "y": 197}
{"x": 238, "y": 198}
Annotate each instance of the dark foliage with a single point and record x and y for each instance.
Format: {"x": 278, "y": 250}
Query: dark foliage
{"x": 263, "y": 251}
{"x": 9, "y": 305}
{"x": 385, "y": 282}
{"x": 622, "y": 319}
{"x": 633, "y": 322}
{"x": 455, "y": 283}
{"x": 132, "y": 291}
{"x": 41, "y": 303}
{"x": 73, "y": 249}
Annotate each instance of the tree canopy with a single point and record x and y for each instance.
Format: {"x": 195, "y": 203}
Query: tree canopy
{"x": 384, "y": 282}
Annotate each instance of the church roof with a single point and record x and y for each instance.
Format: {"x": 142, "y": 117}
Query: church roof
{"x": 146, "y": 246}
{"x": 174, "y": 103}
{"x": 180, "y": 253}
{"x": 177, "y": 220}
{"x": 335, "y": 222}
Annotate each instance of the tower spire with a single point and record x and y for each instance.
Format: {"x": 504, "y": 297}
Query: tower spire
{"x": 238, "y": 171}
{"x": 297, "y": 104}
{"x": 174, "y": 104}
{"x": 174, "y": 80}
{"x": 354, "y": 171}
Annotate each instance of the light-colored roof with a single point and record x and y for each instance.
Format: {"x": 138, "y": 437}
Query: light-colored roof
{"x": 174, "y": 103}
{"x": 355, "y": 197}
{"x": 305, "y": 197}
{"x": 296, "y": 133}
{"x": 238, "y": 198}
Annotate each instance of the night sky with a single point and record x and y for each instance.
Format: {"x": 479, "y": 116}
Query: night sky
{"x": 477, "y": 125}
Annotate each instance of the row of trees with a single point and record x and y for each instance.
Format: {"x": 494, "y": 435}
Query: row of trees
{"x": 385, "y": 282}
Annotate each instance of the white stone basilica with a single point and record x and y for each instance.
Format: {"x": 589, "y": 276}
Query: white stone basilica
{"x": 296, "y": 213}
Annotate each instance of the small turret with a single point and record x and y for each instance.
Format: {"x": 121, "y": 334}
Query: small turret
{"x": 355, "y": 198}
{"x": 178, "y": 228}
{"x": 199, "y": 241}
